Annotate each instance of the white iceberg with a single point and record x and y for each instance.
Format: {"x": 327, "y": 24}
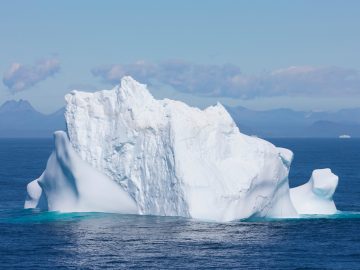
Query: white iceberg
{"x": 315, "y": 196}
{"x": 131, "y": 153}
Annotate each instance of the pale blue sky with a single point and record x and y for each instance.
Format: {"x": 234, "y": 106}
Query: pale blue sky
{"x": 260, "y": 38}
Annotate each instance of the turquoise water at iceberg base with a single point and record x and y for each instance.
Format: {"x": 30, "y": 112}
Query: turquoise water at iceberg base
{"x": 31, "y": 239}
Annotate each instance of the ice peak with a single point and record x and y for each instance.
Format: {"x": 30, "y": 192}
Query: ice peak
{"x": 221, "y": 109}
{"x": 130, "y": 88}
{"x": 128, "y": 80}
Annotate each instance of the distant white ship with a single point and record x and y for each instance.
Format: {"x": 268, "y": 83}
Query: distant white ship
{"x": 344, "y": 136}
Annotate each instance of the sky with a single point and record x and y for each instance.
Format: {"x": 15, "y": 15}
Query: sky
{"x": 296, "y": 54}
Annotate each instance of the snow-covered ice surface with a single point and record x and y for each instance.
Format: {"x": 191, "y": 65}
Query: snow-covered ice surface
{"x": 131, "y": 153}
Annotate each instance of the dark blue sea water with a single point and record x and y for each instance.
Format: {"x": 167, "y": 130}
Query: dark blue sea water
{"x": 33, "y": 240}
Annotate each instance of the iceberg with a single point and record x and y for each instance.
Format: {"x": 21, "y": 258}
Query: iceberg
{"x": 316, "y": 196}
{"x": 126, "y": 152}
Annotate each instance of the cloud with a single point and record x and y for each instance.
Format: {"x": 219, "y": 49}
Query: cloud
{"x": 141, "y": 70}
{"x": 20, "y": 77}
{"x": 228, "y": 80}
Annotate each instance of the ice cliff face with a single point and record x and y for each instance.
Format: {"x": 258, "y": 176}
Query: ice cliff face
{"x": 166, "y": 157}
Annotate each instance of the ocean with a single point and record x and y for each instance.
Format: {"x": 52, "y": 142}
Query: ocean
{"x": 41, "y": 240}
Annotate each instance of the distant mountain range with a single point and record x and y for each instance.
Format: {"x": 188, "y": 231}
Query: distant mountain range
{"x": 18, "y": 119}
{"x": 289, "y": 123}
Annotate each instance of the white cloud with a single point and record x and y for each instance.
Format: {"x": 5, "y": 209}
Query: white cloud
{"x": 20, "y": 77}
{"x": 142, "y": 70}
{"x": 229, "y": 81}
